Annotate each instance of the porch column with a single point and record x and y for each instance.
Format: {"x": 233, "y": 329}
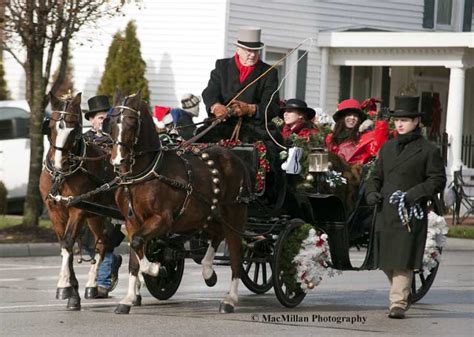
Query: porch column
{"x": 454, "y": 117}
{"x": 323, "y": 81}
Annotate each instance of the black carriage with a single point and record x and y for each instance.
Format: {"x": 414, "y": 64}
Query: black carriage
{"x": 272, "y": 220}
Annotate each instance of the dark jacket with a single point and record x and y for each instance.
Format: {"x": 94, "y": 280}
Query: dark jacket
{"x": 419, "y": 171}
{"x": 224, "y": 85}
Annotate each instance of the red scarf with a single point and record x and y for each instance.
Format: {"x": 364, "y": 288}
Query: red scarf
{"x": 243, "y": 70}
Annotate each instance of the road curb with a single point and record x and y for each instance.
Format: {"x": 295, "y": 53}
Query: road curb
{"x": 52, "y": 249}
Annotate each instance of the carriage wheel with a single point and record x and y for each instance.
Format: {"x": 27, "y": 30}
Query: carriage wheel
{"x": 422, "y": 281}
{"x": 257, "y": 268}
{"x": 287, "y": 290}
{"x": 163, "y": 287}
{"x": 167, "y": 282}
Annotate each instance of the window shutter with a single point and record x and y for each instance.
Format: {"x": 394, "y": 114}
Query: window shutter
{"x": 301, "y": 73}
{"x": 344, "y": 82}
{"x": 386, "y": 86}
{"x": 467, "y": 20}
{"x": 428, "y": 14}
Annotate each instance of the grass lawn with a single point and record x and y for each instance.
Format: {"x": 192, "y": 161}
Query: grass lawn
{"x": 13, "y": 220}
{"x": 461, "y": 231}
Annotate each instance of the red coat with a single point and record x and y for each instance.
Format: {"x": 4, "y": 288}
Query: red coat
{"x": 303, "y": 130}
{"x": 365, "y": 148}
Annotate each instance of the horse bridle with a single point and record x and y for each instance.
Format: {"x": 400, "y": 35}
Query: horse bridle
{"x": 62, "y": 124}
{"x": 130, "y": 158}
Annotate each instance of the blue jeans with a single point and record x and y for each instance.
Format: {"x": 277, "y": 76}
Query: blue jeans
{"x": 104, "y": 273}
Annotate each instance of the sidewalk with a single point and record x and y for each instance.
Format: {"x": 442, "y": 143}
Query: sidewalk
{"x": 52, "y": 249}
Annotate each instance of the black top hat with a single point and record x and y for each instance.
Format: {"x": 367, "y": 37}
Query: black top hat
{"x": 406, "y": 106}
{"x": 97, "y": 104}
{"x": 299, "y": 105}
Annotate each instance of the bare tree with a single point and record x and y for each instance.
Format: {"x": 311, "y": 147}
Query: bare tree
{"x": 41, "y": 27}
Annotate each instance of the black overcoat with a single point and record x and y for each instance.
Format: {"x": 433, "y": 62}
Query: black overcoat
{"x": 419, "y": 171}
{"x": 224, "y": 85}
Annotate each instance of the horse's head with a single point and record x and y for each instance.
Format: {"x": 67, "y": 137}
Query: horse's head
{"x": 64, "y": 127}
{"x": 130, "y": 122}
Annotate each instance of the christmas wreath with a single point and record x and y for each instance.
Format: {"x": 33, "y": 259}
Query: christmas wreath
{"x": 306, "y": 259}
{"x": 435, "y": 240}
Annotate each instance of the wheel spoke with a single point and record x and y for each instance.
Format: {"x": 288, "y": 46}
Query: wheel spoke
{"x": 413, "y": 285}
{"x": 264, "y": 273}
{"x": 247, "y": 268}
{"x": 255, "y": 274}
{"x": 423, "y": 280}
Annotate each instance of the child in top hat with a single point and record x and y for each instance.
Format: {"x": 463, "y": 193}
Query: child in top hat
{"x": 297, "y": 117}
{"x": 410, "y": 169}
{"x": 349, "y": 141}
{"x": 107, "y": 275}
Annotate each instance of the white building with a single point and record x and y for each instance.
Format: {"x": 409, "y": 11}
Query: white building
{"x": 358, "y": 49}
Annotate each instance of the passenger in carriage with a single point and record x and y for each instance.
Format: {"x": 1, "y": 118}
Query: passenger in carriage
{"x": 229, "y": 78}
{"x": 351, "y": 140}
{"x": 183, "y": 117}
{"x": 410, "y": 164}
{"x": 107, "y": 276}
{"x": 297, "y": 117}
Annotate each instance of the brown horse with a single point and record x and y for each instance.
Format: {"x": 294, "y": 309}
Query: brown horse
{"x": 166, "y": 191}
{"x": 64, "y": 176}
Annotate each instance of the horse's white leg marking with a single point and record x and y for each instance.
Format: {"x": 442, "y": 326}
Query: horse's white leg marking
{"x": 64, "y": 274}
{"x": 118, "y": 157}
{"x": 233, "y": 295}
{"x": 92, "y": 280}
{"x": 150, "y": 268}
{"x": 131, "y": 293}
{"x": 61, "y": 138}
{"x": 207, "y": 261}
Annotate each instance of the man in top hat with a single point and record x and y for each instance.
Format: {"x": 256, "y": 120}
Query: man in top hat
{"x": 233, "y": 74}
{"x": 412, "y": 165}
{"x": 107, "y": 275}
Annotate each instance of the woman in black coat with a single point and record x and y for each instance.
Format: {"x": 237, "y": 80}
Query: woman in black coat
{"x": 411, "y": 164}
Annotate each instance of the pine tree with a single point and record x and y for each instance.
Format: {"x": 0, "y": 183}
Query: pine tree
{"x": 67, "y": 84}
{"x": 4, "y": 94}
{"x": 130, "y": 67}
{"x": 109, "y": 81}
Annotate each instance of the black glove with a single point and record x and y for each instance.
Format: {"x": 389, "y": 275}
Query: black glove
{"x": 373, "y": 198}
{"x": 383, "y": 114}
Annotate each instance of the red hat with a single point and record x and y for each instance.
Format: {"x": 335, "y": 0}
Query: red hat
{"x": 162, "y": 116}
{"x": 346, "y": 106}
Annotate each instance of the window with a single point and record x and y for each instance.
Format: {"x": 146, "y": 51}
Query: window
{"x": 272, "y": 57}
{"x": 443, "y": 13}
{"x": 438, "y": 14}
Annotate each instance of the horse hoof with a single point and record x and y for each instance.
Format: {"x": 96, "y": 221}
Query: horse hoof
{"x": 211, "y": 281}
{"x": 74, "y": 304}
{"x": 226, "y": 308}
{"x": 137, "y": 302}
{"x": 63, "y": 293}
{"x": 122, "y": 309}
{"x": 90, "y": 292}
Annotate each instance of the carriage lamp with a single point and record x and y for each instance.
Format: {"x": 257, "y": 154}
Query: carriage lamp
{"x": 318, "y": 160}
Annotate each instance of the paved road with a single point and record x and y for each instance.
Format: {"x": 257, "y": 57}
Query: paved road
{"x": 28, "y": 306}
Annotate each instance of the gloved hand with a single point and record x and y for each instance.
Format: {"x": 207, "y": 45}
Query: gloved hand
{"x": 218, "y": 110}
{"x": 383, "y": 114}
{"x": 243, "y": 109}
{"x": 373, "y": 198}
